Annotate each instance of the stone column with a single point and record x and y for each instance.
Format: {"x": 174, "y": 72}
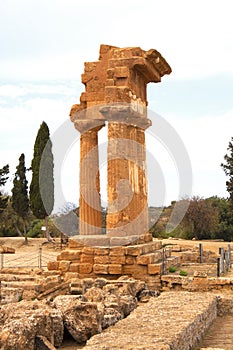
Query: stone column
{"x": 90, "y": 216}
{"x": 127, "y": 185}
{"x": 142, "y": 200}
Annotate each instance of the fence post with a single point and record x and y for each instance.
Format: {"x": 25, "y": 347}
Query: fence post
{"x": 218, "y": 267}
{"x": 163, "y": 262}
{"x": 227, "y": 260}
{"x": 229, "y": 253}
{"x": 2, "y": 261}
{"x": 221, "y": 252}
{"x": 40, "y": 258}
{"x": 200, "y": 252}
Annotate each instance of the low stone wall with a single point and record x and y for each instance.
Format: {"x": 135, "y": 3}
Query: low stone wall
{"x": 142, "y": 260}
{"x": 199, "y": 282}
{"x": 174, "y": 321}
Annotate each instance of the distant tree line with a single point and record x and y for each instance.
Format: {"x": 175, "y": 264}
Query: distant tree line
{"x": 209, "y": 218}
{"x": 29, "y": 207}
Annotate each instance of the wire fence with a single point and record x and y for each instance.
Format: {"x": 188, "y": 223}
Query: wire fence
{"x": 37, "y": 258}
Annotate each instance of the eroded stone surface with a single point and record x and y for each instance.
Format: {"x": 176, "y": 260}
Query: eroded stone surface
{"x": 167, "y": 322}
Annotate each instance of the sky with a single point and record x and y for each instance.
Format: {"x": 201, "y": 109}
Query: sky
{"x": 44, "y": 45}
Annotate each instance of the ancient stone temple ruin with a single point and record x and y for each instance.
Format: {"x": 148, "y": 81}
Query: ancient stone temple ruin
{"x": 116, "y": 97}
{"x": 116, "y": 94}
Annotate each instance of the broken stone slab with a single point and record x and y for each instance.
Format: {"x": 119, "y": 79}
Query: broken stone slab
{"x": 21, "y": 322}
{"x": 81, "y": 319}
{"x": 6, "y": 250}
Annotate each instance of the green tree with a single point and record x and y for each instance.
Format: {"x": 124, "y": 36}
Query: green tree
{"x": 228, "y": 169}
{"x": 225, "y": 226}
{"x": 42, "y": 184}
{"x": 3, "y": 179}
{"x": 20, "y": 200}
{"x": 202, "y": 218}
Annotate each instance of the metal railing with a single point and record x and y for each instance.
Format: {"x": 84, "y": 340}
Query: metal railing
{"x": 37, "y": 258}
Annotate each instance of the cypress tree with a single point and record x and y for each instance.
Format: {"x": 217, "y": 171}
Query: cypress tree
{"x": 3, "y": 179}
{"x": 20, "y": 200}
{"x": 228, "y": 169}
{"x": 42, "y": 184}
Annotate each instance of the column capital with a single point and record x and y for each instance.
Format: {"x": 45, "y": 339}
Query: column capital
{"x": 88, "y": 125}
{"x": 126, "y": 114}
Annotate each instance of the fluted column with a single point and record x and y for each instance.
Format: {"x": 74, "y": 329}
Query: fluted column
{"x": 90, "y": 217}
{"x": 127, "y": 186}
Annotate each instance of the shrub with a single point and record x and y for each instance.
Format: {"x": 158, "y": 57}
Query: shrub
{"x": 183, "y": 273}
{"x": 172, "y": 269}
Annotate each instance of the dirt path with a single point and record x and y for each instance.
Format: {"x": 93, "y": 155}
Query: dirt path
{"x": 34, "y": 254}
{"x": 220, "y": 334}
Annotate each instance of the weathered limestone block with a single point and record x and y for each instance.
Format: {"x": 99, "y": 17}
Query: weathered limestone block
{"x": 85, "y": 268}
{"x": 117, "y": 251}
{"x": 168, "y": 323}
{"x": 23, "y": 321}
{"x": 101, "y": 251}
{"x": 53, "y": 265}
{"x": 70, "y": 255}
{"x": 127, "y": 304}
{"x": 150, "y": 258}
{"x": 137, "y": 271}
{"x": 88, "y": 250}
{"x": 129, "y": 259}
{"x": 111, "y": 316}
{"x": 154, "y": 269}
{"x": 115, "y": 269}
{"x": 74, "y": 267}
{"x": 64, "y": 266}
{"x": 81, "y": 319}
{"x": 145, "y": 248}
{"x": 6, "y": 250}
{"x": 94, "y": 294}
{"x": 117, "y": 259}
{"x": 100, "y": 269}
{"x": 101, "y": 259}
{"x": 86, "y": 258}
{"x": 134, "y": 250}
{"x": 73, "y": 244}
{"x": 70, "y": 275}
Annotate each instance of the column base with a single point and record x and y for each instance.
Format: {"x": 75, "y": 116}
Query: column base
{"x": 111, "y": 241}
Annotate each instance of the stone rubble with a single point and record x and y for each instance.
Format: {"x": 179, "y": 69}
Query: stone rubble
{"x": 99, "y": 304}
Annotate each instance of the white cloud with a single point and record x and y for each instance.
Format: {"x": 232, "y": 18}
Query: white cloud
{"x": 196, "y": 37}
